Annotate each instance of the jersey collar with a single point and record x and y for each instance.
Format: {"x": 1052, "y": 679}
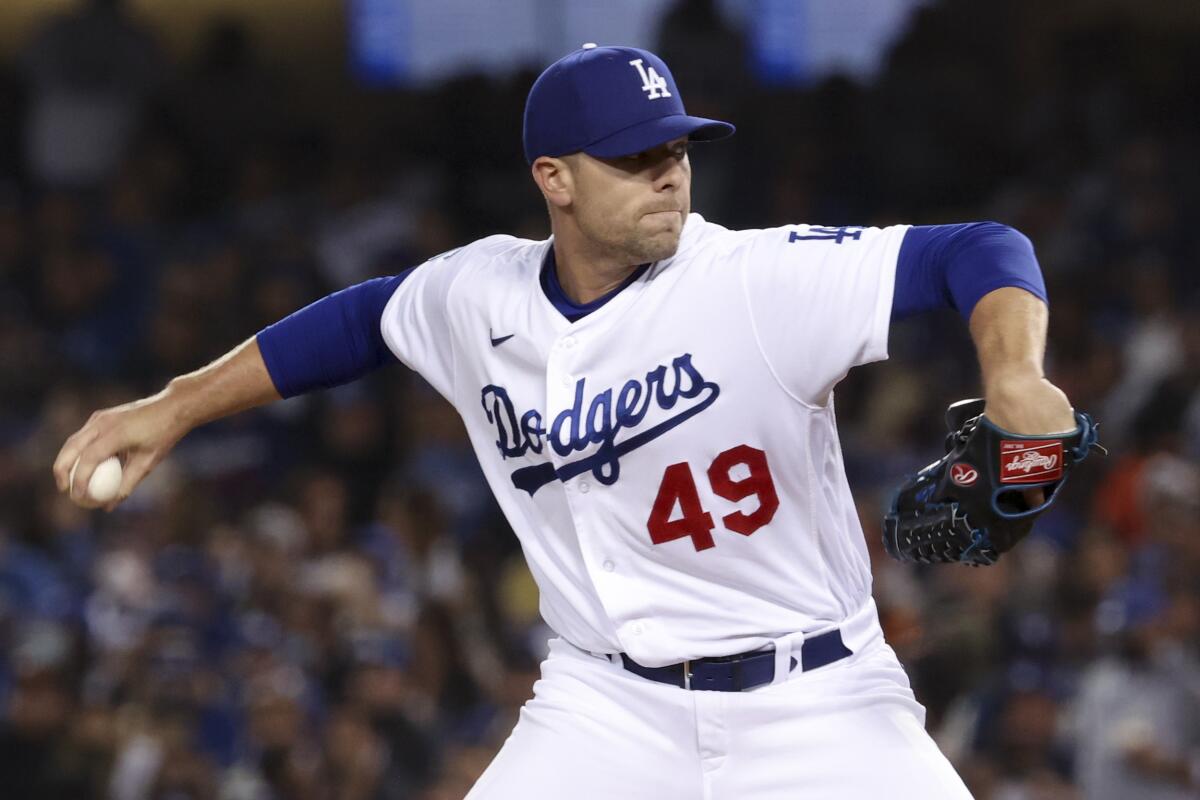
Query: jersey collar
{"x": 564, "y": 305}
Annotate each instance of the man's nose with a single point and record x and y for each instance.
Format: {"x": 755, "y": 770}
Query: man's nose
{"x": 670, "y": 176}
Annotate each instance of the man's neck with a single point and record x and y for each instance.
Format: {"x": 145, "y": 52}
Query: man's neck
{"x": 584, "y": 276}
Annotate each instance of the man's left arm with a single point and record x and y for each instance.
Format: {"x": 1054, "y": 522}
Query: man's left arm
{"x": 988, "y": 272}
{"x": 1005, "y": 467}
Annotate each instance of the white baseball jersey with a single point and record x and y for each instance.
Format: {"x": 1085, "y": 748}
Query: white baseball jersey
{"x": 670, "y": 462}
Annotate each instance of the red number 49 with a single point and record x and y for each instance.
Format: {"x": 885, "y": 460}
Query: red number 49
{"x": 679, "y": 487}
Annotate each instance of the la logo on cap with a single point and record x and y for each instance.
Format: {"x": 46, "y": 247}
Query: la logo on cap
{"x": 653, "y": 84}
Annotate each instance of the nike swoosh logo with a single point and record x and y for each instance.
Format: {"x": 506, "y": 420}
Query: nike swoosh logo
{"x": 497, "y": 342}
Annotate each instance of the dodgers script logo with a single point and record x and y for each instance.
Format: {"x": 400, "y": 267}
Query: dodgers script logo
{"x": 653, "y": 84}
{"x": 608, "y": 414}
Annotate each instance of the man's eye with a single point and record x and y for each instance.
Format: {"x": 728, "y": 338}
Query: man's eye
{"x": 678, "y": 152}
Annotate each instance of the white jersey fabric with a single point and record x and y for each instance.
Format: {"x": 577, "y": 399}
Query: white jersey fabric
{"x": 670, "y": 462}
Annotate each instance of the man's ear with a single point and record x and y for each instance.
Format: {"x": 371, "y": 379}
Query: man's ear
{"x": 554, "y": 177}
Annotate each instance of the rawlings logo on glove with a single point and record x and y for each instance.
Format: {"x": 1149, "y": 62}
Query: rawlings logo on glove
{"x": 956, "y": 511}
{"x": 1035, "y": 461}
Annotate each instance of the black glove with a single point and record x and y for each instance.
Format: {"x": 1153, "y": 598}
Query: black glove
{"x": 969, "y": 506}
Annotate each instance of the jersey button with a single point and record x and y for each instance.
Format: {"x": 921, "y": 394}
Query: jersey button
{"x": 637, "y": 629}
{"x": 566, "y": 380}
{"x": 584, "y": 487}
{"x": 609, "y": 566}
{"x": 568, "y": 342}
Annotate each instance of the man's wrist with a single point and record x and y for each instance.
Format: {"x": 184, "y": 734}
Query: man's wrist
{"x": 1011, "y": 381}
{"x": 180, "y": 403}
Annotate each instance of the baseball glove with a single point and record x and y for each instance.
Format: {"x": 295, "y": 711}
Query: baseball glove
{"x": 970, "y": 506}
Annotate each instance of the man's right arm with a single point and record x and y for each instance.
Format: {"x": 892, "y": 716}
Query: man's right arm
{"x": 333, "y": 341}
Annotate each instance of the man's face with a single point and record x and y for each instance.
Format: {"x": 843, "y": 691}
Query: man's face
{"x": 633, "y": 207}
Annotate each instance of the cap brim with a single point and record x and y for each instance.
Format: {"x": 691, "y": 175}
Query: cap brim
{"x": 652, "y": 133}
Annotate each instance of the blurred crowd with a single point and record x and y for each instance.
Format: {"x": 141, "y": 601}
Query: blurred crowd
{"x": 319, "y": 599}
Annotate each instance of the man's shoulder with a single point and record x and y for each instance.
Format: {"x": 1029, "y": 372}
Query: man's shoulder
{"x": 487, "y": 271}
{"x": 703, "y": 239}
{"x": 799, "y": 241}
{"x": 704, "y": 233}
{"x": 711, "y": 242}
{"x": 492, "y": 252}
{"x": 487, "y": 262}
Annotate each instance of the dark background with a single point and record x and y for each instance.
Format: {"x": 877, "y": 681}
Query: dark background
{"x": 319, "y": 599}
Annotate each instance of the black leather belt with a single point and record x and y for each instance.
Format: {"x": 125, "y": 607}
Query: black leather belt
{"x": 743, "y": 671}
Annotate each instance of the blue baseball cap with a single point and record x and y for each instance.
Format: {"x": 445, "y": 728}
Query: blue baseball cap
{"x": 609, "y": 102}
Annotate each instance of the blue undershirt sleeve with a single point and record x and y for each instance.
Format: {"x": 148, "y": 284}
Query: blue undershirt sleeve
{"x": 954, "y": 266}
{"x": 333, "y": 341}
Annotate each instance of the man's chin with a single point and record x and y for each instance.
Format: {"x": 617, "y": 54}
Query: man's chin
{"x": 658, "y": 248}
{"x": 662, "y": 241}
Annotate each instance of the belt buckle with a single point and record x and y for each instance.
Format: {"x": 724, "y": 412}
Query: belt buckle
{"x": 687, "y": 674}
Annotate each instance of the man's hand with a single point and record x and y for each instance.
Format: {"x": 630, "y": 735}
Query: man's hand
{"x": 1031, "y": 405}
{"x": 141, "y": 432}
{"x": 1028, "y": 404}
{"x": 144, "y": 431}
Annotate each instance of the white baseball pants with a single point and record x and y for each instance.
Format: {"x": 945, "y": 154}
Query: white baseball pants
{"x": 848, "y": 730}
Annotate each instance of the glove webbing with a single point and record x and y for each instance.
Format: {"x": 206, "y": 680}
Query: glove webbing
{"x": 938, "y": 535}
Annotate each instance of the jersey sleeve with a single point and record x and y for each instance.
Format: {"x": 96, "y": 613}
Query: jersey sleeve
{"x": 330, "y": 342}
{"x": 821, "y": 301}
{"x": 416, "y": 322}
{"x": 954, "y": 266}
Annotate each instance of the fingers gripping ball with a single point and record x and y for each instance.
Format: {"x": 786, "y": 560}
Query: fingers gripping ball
{"x": 105, "y": 482}
{"x": 973, "y": 504}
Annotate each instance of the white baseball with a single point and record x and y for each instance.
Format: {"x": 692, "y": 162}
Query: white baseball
{"x": 105, "y": 482}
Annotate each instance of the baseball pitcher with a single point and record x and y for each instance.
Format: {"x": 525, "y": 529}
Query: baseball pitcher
{"x": 650, "y": 396}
